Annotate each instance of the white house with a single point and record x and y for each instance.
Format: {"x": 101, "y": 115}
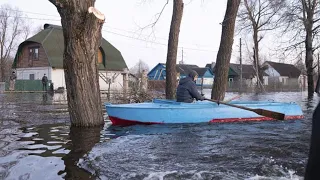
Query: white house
{"x": 283, "y": 73}
{"x": 43, "y": 54}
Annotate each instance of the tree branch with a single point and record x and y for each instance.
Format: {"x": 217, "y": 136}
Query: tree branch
{"x": 157, "y": 18}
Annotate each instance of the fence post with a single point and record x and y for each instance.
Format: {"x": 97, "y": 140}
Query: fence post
{"x": 144, "y": 81}
{"x": 125, "y": 81}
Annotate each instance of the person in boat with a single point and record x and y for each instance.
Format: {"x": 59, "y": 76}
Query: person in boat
{"x": 187, "y": 89}
{"x": 313, "y": 164}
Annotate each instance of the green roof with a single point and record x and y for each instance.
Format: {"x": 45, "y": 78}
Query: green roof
{"x": 51, "y": 39}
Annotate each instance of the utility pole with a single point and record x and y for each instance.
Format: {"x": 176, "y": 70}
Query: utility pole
{"x": 182, "y": 55}
{"x": 181, "y": 62}
{"x": 240, "y": 67}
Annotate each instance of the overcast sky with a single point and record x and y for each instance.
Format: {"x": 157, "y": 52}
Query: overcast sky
{"x": 199, "y": 34}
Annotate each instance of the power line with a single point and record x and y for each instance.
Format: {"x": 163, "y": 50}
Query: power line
{"x": 194, "y": 49}
{"x": 24, "y": 17}
{"x": 156, "y": 42}
{"x": 46, "y": 19}
{"x": 28, "y": 12}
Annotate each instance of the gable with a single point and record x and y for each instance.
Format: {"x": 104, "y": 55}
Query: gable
{"x": 156, "y": 71}
{"x": 155, "y": 68}
{"x": 208, "y": 73}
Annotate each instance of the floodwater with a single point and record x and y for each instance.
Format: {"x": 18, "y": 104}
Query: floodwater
{"x": 36, "y": 142}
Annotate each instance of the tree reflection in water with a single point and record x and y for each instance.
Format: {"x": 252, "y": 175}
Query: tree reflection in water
{"x": 57, "y": 141}
{"x": 82, "y": 141}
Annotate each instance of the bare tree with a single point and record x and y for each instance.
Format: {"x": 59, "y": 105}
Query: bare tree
{"x": 138, "y": 68}
{"x": 81, "y": 24}
{"x": 303, "y": 22}
{"x": 171, "y": 73}
{"x": 258, "y": 17}
{"x": 13, "y": 28}
{"x": 224, "y": 54}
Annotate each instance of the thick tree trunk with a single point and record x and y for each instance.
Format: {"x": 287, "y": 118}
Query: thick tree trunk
{"x": 224, "y": 54}
{"x": 309, "y": 60}
{"x": 82, "y": 37}
{"x": 171, "y": 73}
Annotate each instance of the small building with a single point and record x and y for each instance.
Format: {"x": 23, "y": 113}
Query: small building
{"x": 205, "y": 78}
{"x": 205, "y": 74}
{"x": 248, "y": 74}
{"x": 43, "y": 54}
{"x": 282, "y": 73}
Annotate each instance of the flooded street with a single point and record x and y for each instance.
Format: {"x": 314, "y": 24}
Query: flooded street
{"x": 36, "y": 142}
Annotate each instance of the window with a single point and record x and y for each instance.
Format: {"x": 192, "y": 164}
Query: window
{"x": 34, "y": 53}
{"x": 31, "y": 76}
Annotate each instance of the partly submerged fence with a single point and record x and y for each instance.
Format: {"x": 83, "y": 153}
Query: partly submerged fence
{"x": 235, "y": 86}
{"x": 27, "y": 85}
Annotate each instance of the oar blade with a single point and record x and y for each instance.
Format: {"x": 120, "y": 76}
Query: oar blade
{"x": 271, "y": 114}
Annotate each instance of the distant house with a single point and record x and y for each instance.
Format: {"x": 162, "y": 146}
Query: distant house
{"x": 211, "y": 66}
{"x": 248, "y": 74}
{"x": 43, "y": 54}
{"x": 205, "y": 74}
{"x": 281, "y": 72}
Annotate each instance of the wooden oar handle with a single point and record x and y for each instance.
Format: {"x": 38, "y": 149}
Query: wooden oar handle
{"x": 221, "y": 102}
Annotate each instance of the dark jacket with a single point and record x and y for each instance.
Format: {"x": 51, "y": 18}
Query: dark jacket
{"x": 314, "y": 152}
{"x": 187, "y": 90}
{"x": 44, "y": 80}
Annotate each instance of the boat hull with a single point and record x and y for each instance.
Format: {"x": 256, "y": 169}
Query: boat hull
{"x": 167, "y": 111}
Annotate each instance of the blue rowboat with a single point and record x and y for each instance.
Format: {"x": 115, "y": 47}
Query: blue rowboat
{"x": 161, "y": 111}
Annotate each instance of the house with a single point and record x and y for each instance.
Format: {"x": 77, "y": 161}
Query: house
{"x": 205, "y": 74}
{"x": 248, "y": 74}
{"x": 211, "y": 65}
{"x": 283, "y": 73}
{"x": 43, "y": 54}
{"x": 159, "y": 71}
{"x": 205, "y": 78}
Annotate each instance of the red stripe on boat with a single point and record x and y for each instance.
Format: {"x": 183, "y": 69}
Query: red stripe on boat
{"x": 254, "y": 119}
{"x": 123, "y": 122}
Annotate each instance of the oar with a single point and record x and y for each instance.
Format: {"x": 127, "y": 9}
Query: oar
{"x": 236, "y": 97}
{"x": 262, "y": 112}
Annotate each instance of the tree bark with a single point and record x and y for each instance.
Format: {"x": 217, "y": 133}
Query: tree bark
{"x": 224, "y": 54}
{"x": 171, "y": 73}
{"x": 82, "y": 38}
{"x": 309, "y": 59}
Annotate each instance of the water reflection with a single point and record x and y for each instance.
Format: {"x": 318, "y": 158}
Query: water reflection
{"x": 82, "y": 141}
{"x": 46, "y": 143}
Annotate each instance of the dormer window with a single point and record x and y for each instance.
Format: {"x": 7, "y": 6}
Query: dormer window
{"x": 34, "y": 53}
